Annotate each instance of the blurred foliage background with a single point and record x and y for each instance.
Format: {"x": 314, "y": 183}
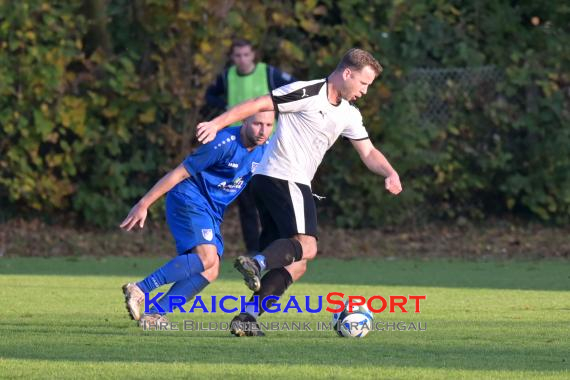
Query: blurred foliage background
{"x": 99, "y": 99}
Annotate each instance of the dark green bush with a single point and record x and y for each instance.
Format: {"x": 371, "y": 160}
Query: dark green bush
{"x": 99, "y": 99}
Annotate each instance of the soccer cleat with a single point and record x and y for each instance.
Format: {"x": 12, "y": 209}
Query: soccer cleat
{"x": 245, "y": 325}
{"x": 134, "y": 298}
{"x": 250, "y": 271}
{"x": 154, "y": 322}
{"x": 237, "y": 327}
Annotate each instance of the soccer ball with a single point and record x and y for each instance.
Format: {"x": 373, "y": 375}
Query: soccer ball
{"x": 355, "y": 324}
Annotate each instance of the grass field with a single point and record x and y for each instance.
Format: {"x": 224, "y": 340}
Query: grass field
{"x": 64, "y": 318}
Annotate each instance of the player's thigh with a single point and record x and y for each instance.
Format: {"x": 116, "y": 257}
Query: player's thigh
{"x": 192, "y": 226}
{"x": 289, "y": 206}
{"x": 269, "y": 230}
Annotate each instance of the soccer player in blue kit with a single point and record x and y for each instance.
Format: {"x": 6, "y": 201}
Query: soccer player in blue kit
{"x": 199, "y": 190}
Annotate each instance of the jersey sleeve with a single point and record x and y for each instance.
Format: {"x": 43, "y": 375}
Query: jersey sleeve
{"x": 355, "y": 129}
{"x": 205, "y": 156}
{"x": 296, "y": 96}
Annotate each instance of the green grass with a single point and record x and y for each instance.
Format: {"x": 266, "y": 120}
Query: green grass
{"x": 65, "y": 318}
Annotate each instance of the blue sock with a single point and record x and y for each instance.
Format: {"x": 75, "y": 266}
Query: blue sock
{"x": 187, "y": 288}
{"x": 261, "y": 261}
{"x": 179, "y": 268}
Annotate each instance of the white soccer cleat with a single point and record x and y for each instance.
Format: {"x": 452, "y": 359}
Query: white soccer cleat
{"x": 134, "y": 298}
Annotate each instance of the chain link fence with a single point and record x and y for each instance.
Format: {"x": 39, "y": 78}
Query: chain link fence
{"x": 436, "y": 92}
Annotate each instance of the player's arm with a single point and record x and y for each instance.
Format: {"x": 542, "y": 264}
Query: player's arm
{"x": 207, "y": 131}
{"x": 376, "y": 162}
{"x": 138, "y": 213}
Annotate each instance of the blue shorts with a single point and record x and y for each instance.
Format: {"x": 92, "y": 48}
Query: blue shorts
{"x": 191, "y": 224}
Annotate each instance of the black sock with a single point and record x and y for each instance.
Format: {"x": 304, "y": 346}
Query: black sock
{"x": 274, "y": 283}
{"x": 282, "y": 252}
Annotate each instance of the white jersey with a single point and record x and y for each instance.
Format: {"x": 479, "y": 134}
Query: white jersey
{"x": 308, "y": 126}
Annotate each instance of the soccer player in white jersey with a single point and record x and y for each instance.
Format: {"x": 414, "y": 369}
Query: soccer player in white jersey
{"x": 312, "y": 115}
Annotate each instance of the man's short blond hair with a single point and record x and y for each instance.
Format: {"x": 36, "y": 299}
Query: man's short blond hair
{"x": 357, "y": 59}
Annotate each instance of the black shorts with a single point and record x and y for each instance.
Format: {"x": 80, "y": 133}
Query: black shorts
{"x": 285, "y": 209}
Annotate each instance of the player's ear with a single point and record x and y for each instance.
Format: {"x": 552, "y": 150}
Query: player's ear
{"x": 346, "y": 73}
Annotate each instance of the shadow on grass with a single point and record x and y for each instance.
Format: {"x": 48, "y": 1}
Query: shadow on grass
{"x": 527, "y": 275}
{"x": 41, "y": 343}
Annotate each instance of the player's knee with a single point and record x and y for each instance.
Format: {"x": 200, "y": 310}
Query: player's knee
{"x": 209, "y": 259}
{"x": 210, "y": 262}
{"x": 212, "y": 273}
{"x": 309, "y": 244}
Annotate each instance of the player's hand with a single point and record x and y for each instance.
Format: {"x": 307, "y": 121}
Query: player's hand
{"x": 393, "y": 184}
{"x": 136, "y": 216}
{"x": 206, "y": 132}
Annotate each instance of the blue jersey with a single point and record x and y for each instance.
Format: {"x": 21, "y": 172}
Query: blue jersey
{"x": 219, "y": 171}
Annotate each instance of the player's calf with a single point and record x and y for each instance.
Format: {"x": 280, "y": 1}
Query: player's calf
{"x": 280, "y": 253}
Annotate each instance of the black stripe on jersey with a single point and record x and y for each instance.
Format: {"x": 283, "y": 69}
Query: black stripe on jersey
{"x": 299, "y": 94}
{"x": 275, "y": 108}
{"x": 364, "y": 138}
